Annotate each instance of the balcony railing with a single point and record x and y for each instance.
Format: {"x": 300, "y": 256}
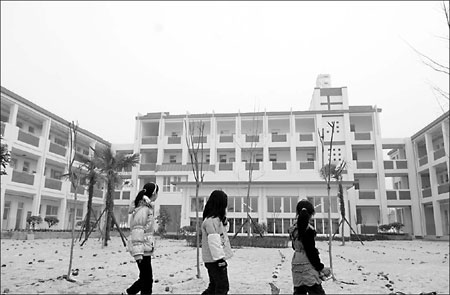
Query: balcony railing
{"x": 174, "y": 140}
{"x": 399, "y": 164}
{"x": 225, "y": 166}
{"x": 278, "y": 165}
{"x": 253, "y": 166}
{"x": 306, "y": 137}
{"x": 279, "y": 138}
{"x": 362, "y": 135}
{"x": 28, "y": 138}
{"x": 426, "y": 192}
{"x": 226, "y": 138}
{"x": 22, "y": 177}
{"x": 443, "y": 188}
{"x": 149, "y": 139}
{"x": 147, "y": 167}
{"x": 57, "y": 149}
{"x": 364, "y": 164}
{"x": 52, "y": 183}
{"x": 80, "y": 190}
{"x": 366, "y": 194}
{"x": 251, "y": 138}
{"x": 398, "y": 194}
{"x": 200, "y": 139}
{"x": 306, "y": 165}
{"x": 439, "y": 153}
{"x": 98, "y": 193}
{"x": 423, "y": 160}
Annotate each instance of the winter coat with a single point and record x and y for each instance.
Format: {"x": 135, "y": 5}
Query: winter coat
{"x": 306, "y": 263}
{"x": 215, "y": 242}
{"x": 141, "y": 241}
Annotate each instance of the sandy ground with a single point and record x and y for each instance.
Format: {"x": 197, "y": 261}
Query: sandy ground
{"x": 380, "y": 267}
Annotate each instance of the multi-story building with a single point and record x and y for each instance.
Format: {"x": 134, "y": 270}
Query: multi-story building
{"x": 385, "y": 180}
{"x": 39, "y": 146}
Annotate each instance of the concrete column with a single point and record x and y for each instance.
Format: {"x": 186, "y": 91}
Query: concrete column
{"x": 213, "y": 136}
{"x": 13, "y": 114}
{"x": 238, "y": 155}
{"x": 62, "y": 213}
{"x": 2, "y": 202}
{"x": 184, "y": 148}
{"x": 293, "y": 139}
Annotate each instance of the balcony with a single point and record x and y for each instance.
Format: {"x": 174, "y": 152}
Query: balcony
{"x": 306, "y": 137}
{"x": 439, "y": 153}
{"x": 426, "y": 192}
{"x": 399, "y": 164}
{"x": 52, "y": 183}
{"x": 279, "y": 166}
{"x": 28, "y": 138}
{"x": 57, "y": 149}
{"x": 306, "y": 165}
{"x": 253, "y": 166}
{"x": 366, "y": 194}
{"x": 279, "y": 138}
{"x": 364, "y": 164}
{"x": 147, "y": 167}
{"x": 22, "y": 177}
{"x": 362, "y": 135}
{"x": 423, "y": 160}
{"x": 226, "y": 138}
{"x": 225, "y": 166}
{"x": 398, "y": 194}
{"x": 149, "y": 139}
{"x": 173, "y": 139}
{"x": 443, "y": 188}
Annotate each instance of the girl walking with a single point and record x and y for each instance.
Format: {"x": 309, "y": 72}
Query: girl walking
{"x": 216, "y": 248}
{"x": 306, "y": 266}
{"x": 141, "y": 243}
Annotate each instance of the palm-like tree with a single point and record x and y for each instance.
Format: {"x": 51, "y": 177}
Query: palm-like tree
{"x": 92, "y": 177}
{"x": 336, "y": 172}
{"x": 110, "y": 163}
{"x": 5, "y": 157}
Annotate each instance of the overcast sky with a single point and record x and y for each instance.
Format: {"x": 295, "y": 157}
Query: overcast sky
{"x": 102, "y": 63}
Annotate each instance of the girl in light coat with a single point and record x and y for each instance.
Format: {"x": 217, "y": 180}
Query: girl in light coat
{"x": 141, "y": 242}
{"x": 216, "y": 248}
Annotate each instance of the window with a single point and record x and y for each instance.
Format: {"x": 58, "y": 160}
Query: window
{"x": 172, "y": 159}
{"x": 174, "y": 134}
{"x": 259, "y": 158}
{"x": 274, "y": 204}
{"x": 355, "y": 156}
{"x": 310, "y": 157}
{"x": 166, "y": 184}
{"x": 60, "y": 142}
{"x": 116, "y": 195}
{"x": 273, "y": 157}
{"x": 31, "y": 129}
{"x": 201, "y": 204}
{"x": 222, "y": 158}
{"x": 125, "y": 195}
{"x": 207, "y": 158}
{"x": 51, "y": 210}
{"x": 6, "y": 210}
{"x": 79, "y": 213}
{"x": 352, "y": 127}
{"x": 55, "y": 174}
{"x": 13, "y": 163}
{"x": 19, "y": 124}
{"x": 26, "y": 166}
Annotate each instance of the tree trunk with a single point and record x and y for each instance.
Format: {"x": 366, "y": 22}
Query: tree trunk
{"x": 69, "y": 271}
{"x": 342, "y": 206}
{"x": 197, "y": 227}
{"x": 89, "y": 208}
{"x": 109, "y": 212}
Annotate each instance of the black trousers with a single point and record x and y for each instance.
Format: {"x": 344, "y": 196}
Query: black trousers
{"x": 218, "y": 279}
{"x": 311, "y": 290}
{"x": 145, "y": 282}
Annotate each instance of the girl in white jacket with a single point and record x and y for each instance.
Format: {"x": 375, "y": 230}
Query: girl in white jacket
{"x": 141, "y": 243}
{"x": 216, "y": 247}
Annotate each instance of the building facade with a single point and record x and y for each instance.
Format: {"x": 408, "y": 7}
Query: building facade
{"x": 384, "y": 180}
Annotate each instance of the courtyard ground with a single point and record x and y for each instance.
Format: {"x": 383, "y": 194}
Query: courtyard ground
{"x": 378, "y": 267}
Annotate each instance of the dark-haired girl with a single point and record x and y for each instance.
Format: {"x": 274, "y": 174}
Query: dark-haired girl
{"x": 306, "y": 266}
{"x": 216, "y": 247}
{"x": 141, "y": 243}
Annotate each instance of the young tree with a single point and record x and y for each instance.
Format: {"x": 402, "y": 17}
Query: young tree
{"x": 33, "y": 220}
{"x": 110, "y": 164}
{"x": 195, "y": 150}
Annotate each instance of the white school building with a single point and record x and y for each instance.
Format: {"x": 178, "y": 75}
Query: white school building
{"x": 385, "y": 180}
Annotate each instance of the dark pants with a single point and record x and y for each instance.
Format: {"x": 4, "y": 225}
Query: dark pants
{"x": 145, "y": 281}
{"x": 218, "y": 279}
{"x": 314, "y": 289}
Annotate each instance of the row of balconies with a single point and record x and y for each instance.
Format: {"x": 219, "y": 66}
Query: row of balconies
{"x": 436, "y": 155}
{"x": 299, "y": 138}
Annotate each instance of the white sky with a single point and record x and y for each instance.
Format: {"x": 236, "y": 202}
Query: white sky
{"x": 102, "y": 63}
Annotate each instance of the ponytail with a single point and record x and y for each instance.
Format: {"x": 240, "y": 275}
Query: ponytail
{"x": 148, "y": 190}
